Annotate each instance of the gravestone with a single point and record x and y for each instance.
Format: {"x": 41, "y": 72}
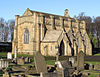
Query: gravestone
{"x": 97, "y": 67}
{"x": 72, "y": 60}
{"x": 80, "y": 61}
{"x": 20, "y": 61}
{"x": 64, "y": 68}
{"x": 6, "y": 74}
{"x": 90, "y": 67}
{"x": 9, "y": 55}
{"x": 4, "y": 63}
{"x": 27, "y": 59}
{"x": 85, "y": 74}
{"x": 40, "y": 63}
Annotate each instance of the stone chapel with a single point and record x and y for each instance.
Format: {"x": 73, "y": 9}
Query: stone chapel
{"x": 50, "y": 34}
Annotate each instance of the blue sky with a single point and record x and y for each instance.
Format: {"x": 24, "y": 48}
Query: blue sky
{"x": 10, "y": 8}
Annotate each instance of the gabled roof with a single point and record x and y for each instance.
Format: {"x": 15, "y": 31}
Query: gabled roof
{"x": 52, "y": 35}
{"x": 46, "y": 14}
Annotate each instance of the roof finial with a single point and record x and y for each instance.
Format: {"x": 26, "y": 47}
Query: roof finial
{"x": 28, "y": 9}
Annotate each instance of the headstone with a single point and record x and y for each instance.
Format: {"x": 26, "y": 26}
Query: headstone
{"x": 9, "y": 55}
{"x": 97, "y": 67}
{"x": 80, "y": 61}
{"x": 72, "y": 60}
{"x": 27, "y": 59}
{"x": 85, "y": 74}
{"x": 64, "y": 68}
{"x": 6, "y": 74}
{"x": 4, "y": 63}
{"x": 40, "y": 63}
{"x": 20, "y": 61}
{"x": 90, "y": 67}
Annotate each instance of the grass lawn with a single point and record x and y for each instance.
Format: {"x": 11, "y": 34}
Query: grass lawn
{"x": 24, "y": 55}
{"x": 93, "y": 75}
{"x": 92, "y": 62}
{"x": 50, "y": 62}
{"x": 4, "y": 54}
{"x": 97, "y": 54}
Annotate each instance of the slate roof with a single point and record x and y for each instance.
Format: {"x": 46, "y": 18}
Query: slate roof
{"x": 52, "y": 35}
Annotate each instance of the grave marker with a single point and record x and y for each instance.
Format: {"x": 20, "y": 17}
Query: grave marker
{"x": 40, "y": 63}
{"x": 80, "y": 61}
{"x": 9, "y": 55}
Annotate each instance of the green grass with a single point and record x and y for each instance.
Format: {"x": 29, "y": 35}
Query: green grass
{"x": 92, "y": 62}
{"x": 93, "y": 75}
{"x": 3, "y": 54}
{"x": 50, "y": 62}
{"x": 24, "y": 55}
{"x": 97, "y": 54}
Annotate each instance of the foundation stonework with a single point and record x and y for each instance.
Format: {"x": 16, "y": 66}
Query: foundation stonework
{"x": 50, "y": 34}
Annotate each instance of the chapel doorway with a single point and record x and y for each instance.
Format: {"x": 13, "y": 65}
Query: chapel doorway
{"x": 61, "y": 48}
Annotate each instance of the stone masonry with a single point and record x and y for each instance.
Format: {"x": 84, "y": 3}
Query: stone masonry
{"x": 50, "y": 34}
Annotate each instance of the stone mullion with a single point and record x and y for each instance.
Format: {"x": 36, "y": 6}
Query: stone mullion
{"x": 62, "y": 22}
{"x": 34, "y": 32}
{"x": 38, "y": 33}
{"x": 52, "y": 22}
{"x": 42, "y": 18}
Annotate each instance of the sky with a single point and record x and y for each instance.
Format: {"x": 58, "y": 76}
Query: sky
{"x": 10, "y": 8}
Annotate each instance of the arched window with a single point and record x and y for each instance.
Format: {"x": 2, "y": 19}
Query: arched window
{"x": 26, "y": 36}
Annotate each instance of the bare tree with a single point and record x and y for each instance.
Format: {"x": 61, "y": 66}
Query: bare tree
{"x": 11, "y": 28}
{"x": 97, "y": 26}
{"x": 4, "y": 30}
{"x": 88, "y": 21}
{"x": 6, "y": 33}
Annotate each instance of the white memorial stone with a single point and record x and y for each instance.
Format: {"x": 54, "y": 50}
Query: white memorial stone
{"x": 9, "y": 55}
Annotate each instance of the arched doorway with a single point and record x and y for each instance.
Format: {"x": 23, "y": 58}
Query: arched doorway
{"x": 61, "y": 48}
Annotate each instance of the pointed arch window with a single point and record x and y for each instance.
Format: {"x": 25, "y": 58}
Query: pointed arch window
{"x": 26, "y": 36}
